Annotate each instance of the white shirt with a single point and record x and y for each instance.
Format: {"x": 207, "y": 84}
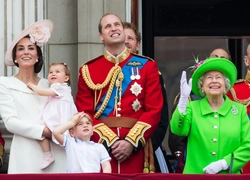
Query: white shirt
{"x": 84, "y": 156}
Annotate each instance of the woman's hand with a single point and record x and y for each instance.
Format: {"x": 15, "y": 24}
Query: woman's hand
{"x": 215, "y": 167}
{"x": 185, "y": 89}
{"x": 185, "y": 86}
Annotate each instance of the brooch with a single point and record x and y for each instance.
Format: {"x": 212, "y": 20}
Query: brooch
{"x": 234, "y": 110}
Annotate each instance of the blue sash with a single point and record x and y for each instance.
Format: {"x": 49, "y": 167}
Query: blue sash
{"x": 135, "y": 61}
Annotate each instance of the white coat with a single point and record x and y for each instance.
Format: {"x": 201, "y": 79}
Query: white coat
{"x": 20, "y": 108}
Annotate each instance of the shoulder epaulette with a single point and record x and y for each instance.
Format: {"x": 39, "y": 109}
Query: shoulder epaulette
{"x": 236, "y": 99}
{"x": 92, "y": 60}
{"x": 143, "y": 56}
{"x": 240, "y": 80}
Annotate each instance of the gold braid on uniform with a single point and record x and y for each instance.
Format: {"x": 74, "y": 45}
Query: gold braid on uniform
{"x": 118, "y": 95}
{"x": 148, "y": 158}
{"x": 246, "y": 102}
{"x": 111, "y": 78}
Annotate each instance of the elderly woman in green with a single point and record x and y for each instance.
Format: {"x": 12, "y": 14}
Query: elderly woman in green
{"x": 217, "y": 128}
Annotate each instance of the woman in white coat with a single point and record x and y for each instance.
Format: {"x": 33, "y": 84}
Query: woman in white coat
{"x": 20, "y": 107}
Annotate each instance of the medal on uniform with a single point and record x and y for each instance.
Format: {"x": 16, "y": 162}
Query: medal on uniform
{"x": 136, "y": 89}
{"x": 137, "y": 76}
{"x": 136, "y": 105}
{"x": 132, "y": 77}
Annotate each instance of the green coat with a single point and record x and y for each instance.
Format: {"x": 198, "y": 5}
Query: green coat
{"x": 213, "y": 135}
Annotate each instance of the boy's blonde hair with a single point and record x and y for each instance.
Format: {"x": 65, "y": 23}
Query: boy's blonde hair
{"x": 88, "y": 117}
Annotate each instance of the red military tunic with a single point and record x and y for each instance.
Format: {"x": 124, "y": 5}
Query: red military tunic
{"x": 134, "y": 94}
{"x": 240, "y": 92}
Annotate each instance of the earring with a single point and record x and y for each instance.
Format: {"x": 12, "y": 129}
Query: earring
{"x": 15, "y": 61}
{"x": 36, "y": 60}
{"x": 202, "y": 91}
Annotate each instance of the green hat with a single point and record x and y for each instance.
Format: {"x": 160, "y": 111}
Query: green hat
{"x": 225, "y": 66}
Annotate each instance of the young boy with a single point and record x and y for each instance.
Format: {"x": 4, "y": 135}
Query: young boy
{"x": 83, "y": 155}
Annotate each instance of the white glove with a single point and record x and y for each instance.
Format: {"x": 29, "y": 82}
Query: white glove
{"x": 215, "y": 167}
{"x": 185, "y": 92}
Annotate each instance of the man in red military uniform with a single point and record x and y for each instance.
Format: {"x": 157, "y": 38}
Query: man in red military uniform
{"x": 240, "y": 92}
{"x": 122, "y": 93}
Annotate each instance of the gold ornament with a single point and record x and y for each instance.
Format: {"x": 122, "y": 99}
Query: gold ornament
{"x": 114, "y": 73}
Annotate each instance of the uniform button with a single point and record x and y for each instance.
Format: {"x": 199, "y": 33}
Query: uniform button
{"x": 124, "y": 56}
{"x": 213, "y": 153}
{"x": 215, "y": 127}
{"x": 214, "y": 140}
{"x": 215, "y": 116}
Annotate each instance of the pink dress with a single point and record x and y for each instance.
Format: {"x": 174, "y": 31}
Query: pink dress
{"x": 58, "y": 109}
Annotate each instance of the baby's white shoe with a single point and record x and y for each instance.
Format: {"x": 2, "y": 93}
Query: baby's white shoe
{"x": 47, "y": 161}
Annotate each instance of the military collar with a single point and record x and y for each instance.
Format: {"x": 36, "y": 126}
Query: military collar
{"x": 117, "y": 59}
{"x": 247, "y": 78}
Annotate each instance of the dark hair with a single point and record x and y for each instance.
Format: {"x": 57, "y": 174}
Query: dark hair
{"x": 133, "y": 27}
{"x": 100, "y": 25}
{"x": 224, "y": 49}
{"x": 38, "y": 66}
{"x": 66, "y": 70}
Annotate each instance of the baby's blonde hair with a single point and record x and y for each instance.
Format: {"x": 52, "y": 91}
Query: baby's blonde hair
{"x": 66, "y": 70}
